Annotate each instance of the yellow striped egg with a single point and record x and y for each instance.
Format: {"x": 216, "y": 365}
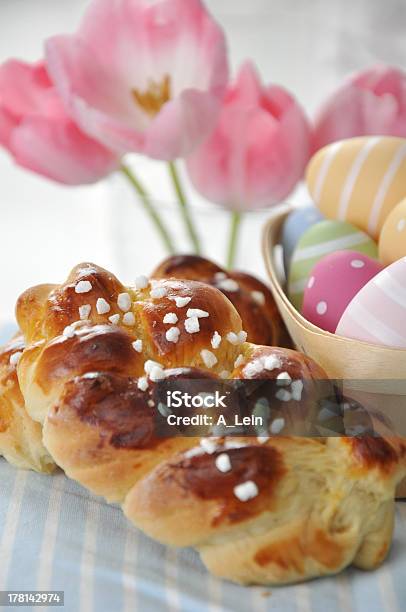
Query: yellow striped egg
{"x": 392, "y": 241}
{"x": 359, "y": 180}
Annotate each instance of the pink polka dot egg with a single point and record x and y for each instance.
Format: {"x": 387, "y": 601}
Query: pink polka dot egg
{"x": 333, "y": 283}
{"x": 377, "y": 314}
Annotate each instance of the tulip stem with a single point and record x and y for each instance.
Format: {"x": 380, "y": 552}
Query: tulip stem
{"x": 236, "y": 217}
{"x": 184, "y": 208}
{"x": 149, "y": 208}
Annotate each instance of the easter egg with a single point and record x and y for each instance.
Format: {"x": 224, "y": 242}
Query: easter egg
{"x": 294, "y": 227}
{"x": 377, "y": 314}
{"x": 392, "y": 241}
{"x": 319, "y": 240}
{"x": 359, "y": 180}
{"x": 333, "y": 283}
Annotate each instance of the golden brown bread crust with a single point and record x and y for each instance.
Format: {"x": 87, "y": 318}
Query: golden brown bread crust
{"x": 51, "y": 356}
{"x": 313, "y": 514}
{"x": 300, "y": 412}
{"x": 190, "y": 490}
{"x": 105, "y": 408}
{"x": 92, "y": 348}
{"x": 95, "y": 364}
{"x": 102, "y": 433}
{"x": 20, "y": 437}
{"x": 307, "y": 507}
{"x": 251, "y": 298}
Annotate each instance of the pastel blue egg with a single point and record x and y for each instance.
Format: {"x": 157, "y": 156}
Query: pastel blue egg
{"x": 294, "y": 227}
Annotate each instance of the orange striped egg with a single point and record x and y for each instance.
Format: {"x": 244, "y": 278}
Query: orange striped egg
{"x": 392, "y": 241}
{"x": 359, "y": 180}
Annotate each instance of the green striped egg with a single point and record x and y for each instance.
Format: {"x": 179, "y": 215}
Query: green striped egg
{"x": 318, "y": 241}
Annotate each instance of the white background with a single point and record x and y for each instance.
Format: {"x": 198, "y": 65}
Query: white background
{"x": 306, "y": 45}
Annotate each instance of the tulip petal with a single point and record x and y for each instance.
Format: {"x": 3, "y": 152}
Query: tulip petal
{"x": 258, "y": 150}
{"x": 247, "y": 89}
{"x": 371, "y": 102}
{"x": 381, "y": 80}
{"x": 88, "y": 90}
{"x": 277, "y": 158}
{"x": 60, "y": 151}
{"x": 180, "y": 126}
{"x": 7, "y": 124}
{"x": 41, "y": 137}
{"x": 341, "y": 118}
{"x": 126, "y": 48}
{"x": 160, "y": 36}
{"x": 23, "y": 88}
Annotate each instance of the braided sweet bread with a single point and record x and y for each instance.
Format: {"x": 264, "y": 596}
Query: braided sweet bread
{"x": 20, "y": 436}
{"x": 252, "y": 299}
{"x": 259, "y": 509}
{"x": 320, "y": 506}
{"x": 88, "y": 381}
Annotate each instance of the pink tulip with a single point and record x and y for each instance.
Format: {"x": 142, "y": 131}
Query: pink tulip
{"x": 36, "y": 130}
{"x": 258, "y": 150}
{"x": 143, "y": 76}
{"x": 372, "y": 102}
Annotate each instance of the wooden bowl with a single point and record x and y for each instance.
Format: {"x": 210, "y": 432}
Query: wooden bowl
{"x": 374, "y": 375}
